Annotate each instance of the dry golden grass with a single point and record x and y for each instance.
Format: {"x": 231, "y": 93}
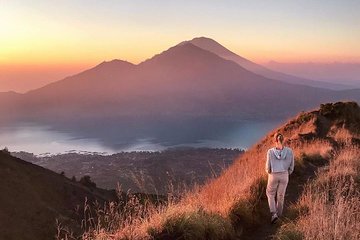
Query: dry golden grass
{"x": 330, "y": 205}
{"x": 341, "y": 135}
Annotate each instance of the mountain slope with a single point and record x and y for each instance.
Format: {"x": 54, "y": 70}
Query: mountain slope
{"x": 213, "y": 46}
{"x": 32, "y": 198}
{"x": 10, "y": 103}
{"x": 335, "y": 72}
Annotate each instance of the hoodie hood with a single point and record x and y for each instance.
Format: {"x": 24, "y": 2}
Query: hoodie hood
{"x": 280, "y": 154}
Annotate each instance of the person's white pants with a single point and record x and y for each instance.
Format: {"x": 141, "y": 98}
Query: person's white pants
{"x": 276, "y": 186}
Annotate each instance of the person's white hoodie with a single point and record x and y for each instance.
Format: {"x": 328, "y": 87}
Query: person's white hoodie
{"x": 279, "y": 160}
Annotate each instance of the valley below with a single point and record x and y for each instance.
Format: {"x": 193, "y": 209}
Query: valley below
{"x": 147, "y": 172}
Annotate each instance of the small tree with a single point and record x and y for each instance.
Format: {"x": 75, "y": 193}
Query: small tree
{"x": 86, "y": 181}
{"x": 6, "y": 150}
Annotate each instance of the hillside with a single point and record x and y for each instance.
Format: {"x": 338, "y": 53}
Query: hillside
{"x": 326, "y": 144}
{"x": 32, "y": 198}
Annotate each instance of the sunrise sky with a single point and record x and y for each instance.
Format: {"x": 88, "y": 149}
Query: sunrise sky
{"x": 46, "y": 40}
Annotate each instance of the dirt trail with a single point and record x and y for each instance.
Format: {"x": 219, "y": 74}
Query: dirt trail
{"x": 265, "y": 231}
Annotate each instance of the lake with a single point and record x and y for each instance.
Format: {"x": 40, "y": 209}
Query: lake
{"x": 113, "y": 136}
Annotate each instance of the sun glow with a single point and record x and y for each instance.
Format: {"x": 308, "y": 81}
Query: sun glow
{"x": 84, "y": 33}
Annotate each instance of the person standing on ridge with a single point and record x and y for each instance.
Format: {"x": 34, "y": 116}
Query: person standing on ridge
{"x": 279, "y": 165}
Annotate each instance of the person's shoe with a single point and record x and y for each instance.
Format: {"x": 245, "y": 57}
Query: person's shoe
{"x": 274, "y": 218}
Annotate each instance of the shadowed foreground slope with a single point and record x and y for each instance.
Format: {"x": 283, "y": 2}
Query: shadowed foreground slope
{"x": 32, "y": 198}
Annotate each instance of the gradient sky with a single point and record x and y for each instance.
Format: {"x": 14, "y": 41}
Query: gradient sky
{"x": 72, "y": 35}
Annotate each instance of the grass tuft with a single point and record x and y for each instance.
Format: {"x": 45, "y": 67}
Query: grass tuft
{"x": 289, "y": 231}
{"x": 195, "y": 226}
{"x": 249, "y": 212}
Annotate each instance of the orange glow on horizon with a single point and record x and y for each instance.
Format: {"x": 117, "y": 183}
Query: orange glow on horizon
{"x": 22, "y": 71}
{"x": 67, "y": 60}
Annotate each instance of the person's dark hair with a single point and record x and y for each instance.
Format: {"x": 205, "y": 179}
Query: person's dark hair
{"x": 276, "y": 136}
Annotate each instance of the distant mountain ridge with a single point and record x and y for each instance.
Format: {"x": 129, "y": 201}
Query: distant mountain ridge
{"x": 213, "y": 46}
{"x": 183, "y": 81}
{"x": 347, "y": 73}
